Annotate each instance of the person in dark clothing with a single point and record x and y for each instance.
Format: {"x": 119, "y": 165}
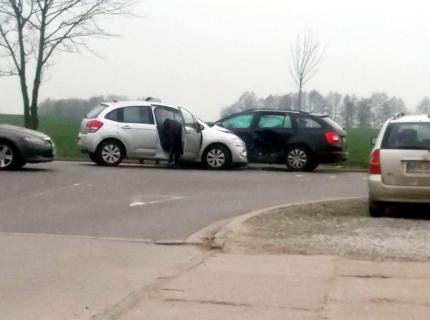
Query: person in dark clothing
{"x": 173, "y": 135}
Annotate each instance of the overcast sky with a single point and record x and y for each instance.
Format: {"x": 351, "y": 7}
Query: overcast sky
{"x": 204, "y": 53}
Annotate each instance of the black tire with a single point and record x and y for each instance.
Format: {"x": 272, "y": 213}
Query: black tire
{"x": 376, "y": 209}
{"x": 110, "y": 153}
{"x": 312, "y": 166}
{"x": 298, "y": 158}
{"x": 217, "y": 157}
{"x": 10, "y": 158}
{"x": 94, "y": 158}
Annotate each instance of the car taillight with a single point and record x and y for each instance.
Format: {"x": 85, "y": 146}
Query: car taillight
{"x": 332, "y": 137}
{"x": 94, "y": 125}
{"x": 375, "y": 162}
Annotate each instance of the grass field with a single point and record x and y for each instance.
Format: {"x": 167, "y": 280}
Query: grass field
{"x": 65, "y": 131}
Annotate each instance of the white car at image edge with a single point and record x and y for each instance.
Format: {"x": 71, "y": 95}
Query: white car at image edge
{"x": 399, "y": 168}
{"x": 114, "y": 131}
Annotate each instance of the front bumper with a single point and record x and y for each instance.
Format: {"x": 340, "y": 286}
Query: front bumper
{"x": 239, "y": 154}
{"x": 36, "y": 153}
{"x": 378, "y": 191}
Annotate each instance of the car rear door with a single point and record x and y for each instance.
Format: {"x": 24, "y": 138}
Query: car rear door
{"x": 138, "y": 131}
{"x": 405, "y": 155}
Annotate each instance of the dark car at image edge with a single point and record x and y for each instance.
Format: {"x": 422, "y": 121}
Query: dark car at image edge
{"x": 298, "y": 139}
{"x": 19, "y": 146}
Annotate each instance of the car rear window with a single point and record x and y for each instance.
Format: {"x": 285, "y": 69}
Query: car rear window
{"x": 414, "y": 136}
{"x": 333, "y": 124}
{"x": 94, "y": 113}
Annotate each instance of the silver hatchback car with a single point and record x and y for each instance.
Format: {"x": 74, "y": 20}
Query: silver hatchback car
{"x": 117, "y": 130}
{"x": 399, "y": 170}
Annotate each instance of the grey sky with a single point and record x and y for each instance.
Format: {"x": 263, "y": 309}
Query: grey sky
{"x": 204, "y": 53}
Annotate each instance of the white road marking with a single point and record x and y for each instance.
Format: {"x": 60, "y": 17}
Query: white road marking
{"x": 166, "y": 199}
{"x": 332, "y": 177}
{"x": 299, "y": 175}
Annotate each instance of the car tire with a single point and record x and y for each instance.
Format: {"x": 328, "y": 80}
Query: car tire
{"x": 298, "y": 158}
{"x": 110, "y": 153}
{"x": 376, "y": 209}
{"x": 9, "y": 157}
{"x": 94, "y": 158}
{"x": 217, "y": 157}
{"x": 312, "y": 166}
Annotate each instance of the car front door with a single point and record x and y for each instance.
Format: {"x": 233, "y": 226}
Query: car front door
{"x": 270, "y": 136}
{"x": 138, "y": 131}
{"x": 241, "y": 125}
{"x": 192, "y": 136}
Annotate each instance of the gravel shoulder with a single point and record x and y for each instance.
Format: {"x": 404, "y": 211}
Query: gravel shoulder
{"x": 340, "y": 228}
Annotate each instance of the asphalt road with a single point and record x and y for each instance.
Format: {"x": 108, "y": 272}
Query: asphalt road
{"x": 147, "y": 202}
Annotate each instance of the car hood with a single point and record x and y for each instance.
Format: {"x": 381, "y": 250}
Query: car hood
{"x": 222, "y": 129}
{"x": 23, "y": 131}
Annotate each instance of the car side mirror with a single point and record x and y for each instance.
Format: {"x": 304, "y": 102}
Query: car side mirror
{"x": 200, "y": 127}
{"x": 373, "y": 141}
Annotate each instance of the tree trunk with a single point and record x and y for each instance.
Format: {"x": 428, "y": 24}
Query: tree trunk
{"x": 300, "y": 95}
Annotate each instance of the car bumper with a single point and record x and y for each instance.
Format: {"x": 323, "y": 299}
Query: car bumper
{"x": 239, "y": 155}
{"x": 38, "y": 153}
{"x": 332, "y": 156}
{"x": 378, "y": 191}
{"x": 88, "y": 142}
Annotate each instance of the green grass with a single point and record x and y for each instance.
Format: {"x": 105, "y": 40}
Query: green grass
{"x": 359, "y": 147}
{"x": 64, "y": 132}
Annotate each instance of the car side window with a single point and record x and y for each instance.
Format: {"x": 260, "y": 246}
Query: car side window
{"x": 307, "y": 123}
{"x": 138, "y": 114}
{"x": 188, "y": 118}
{"x": 274, "y": 121}
{"x": 242, "y": 121}
{"x": 163, "y": 113}
{"x": 114, "y": 115}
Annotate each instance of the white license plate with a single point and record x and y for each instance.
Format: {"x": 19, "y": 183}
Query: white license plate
{"x": 418, "y": 167}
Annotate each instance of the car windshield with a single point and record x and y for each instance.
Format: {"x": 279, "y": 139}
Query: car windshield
{"x": 412, "y": 136}
{"x": 94, "y": 113}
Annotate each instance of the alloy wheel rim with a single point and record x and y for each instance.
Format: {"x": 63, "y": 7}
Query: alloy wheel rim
{"x": 216, "y": 158}
{"x": 111, "y": 153}
{"x": 297, "y": 158}
{"x": 6, "y": 156}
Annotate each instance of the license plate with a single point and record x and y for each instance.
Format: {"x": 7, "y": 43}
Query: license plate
{"x": 418, "y": 167}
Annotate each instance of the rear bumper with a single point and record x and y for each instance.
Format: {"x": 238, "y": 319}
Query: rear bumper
{"x": 88, "y": 142}
{"x": 332, "y": 156}
{"x": 379, "y": 191}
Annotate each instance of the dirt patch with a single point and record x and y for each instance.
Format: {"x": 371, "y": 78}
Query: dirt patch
{"x": 333, "y": 228}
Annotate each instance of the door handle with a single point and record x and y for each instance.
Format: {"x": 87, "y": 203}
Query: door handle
{"x": 126, "y": 127}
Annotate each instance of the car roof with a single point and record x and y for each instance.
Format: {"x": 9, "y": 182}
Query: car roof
{"x": 120, "y": 104}
{"x": 411, "y": 118}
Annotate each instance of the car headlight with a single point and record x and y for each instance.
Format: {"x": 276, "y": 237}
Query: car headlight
{"x": 35, "y": 140}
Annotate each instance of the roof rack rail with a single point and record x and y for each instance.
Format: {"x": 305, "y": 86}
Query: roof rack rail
{"x": 271, "y": 109}
{"x": 398, "y": 115}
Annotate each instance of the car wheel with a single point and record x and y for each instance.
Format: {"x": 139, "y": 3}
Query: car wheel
{"x": 298, "y": 158}
{"x": 217, "y": 157}
{"x": 376, "y": 209}
{"x": 110, "y": 153}
{"x": 9, "y": 157}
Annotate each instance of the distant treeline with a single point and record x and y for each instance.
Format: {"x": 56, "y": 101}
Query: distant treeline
{"x": 73, "y": 107}
{"x": 349, "y": 110}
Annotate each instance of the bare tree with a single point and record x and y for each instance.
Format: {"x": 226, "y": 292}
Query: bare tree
{"x": 32, "y": 31}
{"x": 306, "y": 54}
